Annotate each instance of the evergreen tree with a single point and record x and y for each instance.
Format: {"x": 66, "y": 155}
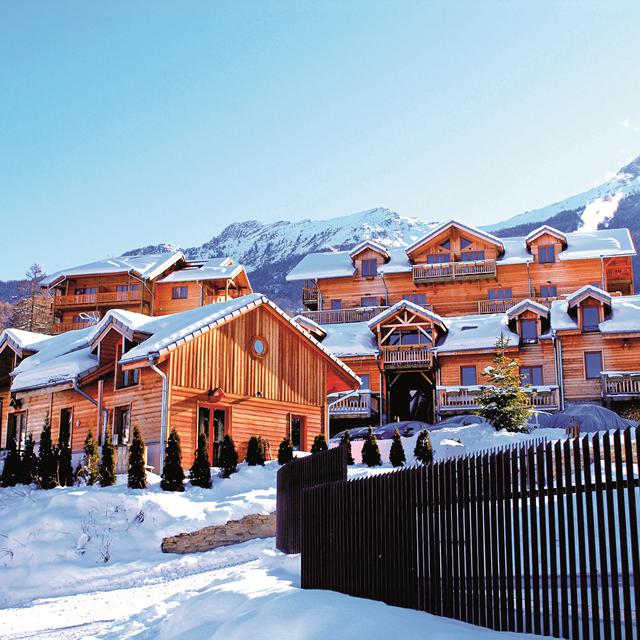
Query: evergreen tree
{"x": 255, "y": 451}
{"x": 504, "y": 404}
{"x": 107, "y": 468}
{"x": 200, "y": 474}
{"x": 370, "y": 451}
{"x": 423, "y": 451}
{"x": 91, "y": 459}
{"x": 29, "y": 466}
{"x": 319, "y": 444}
{"x": 137, "y": 474}
{"x": 47, "y": 458}
{"x": 345, "y": 441}
{"x": 65, "y": 467}
{"x": 11, "y": 473}
{"x": 285, "y": 451}
{"x": 172, "y": 473}
{"x": 228, "y": 459}
{"x": 396, "y": 455}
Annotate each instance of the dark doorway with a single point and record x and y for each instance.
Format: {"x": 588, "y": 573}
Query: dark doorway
{"x": 297, "y": 424}
{"x": 213, "y": 421}
{"x": 65, "y": 427}
{"x": 411, "y": 396}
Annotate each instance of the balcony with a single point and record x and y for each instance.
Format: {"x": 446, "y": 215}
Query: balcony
{"x": 95, "y": 299}
{"x": 465, "y": 399}
{"x": 63, "y": 327}
{"x": 621, "y": 385}
{"x": 407, "y": 356}
{"x": 621, "y": 273}
{"x": 362, "y": 405}
{"x": 339, "y": 316}
{"x": 310, "y": 296}
{"x": 447, "y": 271}
{"x": 495, "y": 306}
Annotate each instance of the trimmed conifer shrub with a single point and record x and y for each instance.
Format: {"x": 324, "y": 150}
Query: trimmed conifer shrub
{"x": 255, "y": 451}
{"x": 47, "y": 458}
{"x": 285, "y": 451}
{"x": 319, "y": 444}
{"x": 228, "y": 458}
{"x": 396, "y": 455}
{"x": 91, "y": 458}
{"x": 172, "y": 473}
{"x": 137, "y": 473}
{"x": 345, "y": 441}
{"x": 65, "y": 467}
{"x": 370, "y": 451}
{"x": 423, "y": 450}
{"x": 29, "y": 462}
{"x": 107, "y": 468}
{"x": 11, "y": 473}
{"x": 200, "y": 473}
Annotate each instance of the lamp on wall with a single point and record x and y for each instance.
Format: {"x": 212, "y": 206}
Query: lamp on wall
{"x": 626, "y": 344}
{"x": 216, "y": 394}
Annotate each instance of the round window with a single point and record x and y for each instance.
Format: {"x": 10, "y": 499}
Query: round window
{"x": 259, "y": 346}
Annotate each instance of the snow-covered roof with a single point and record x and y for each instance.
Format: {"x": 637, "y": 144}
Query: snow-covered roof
{"x": 469, "y": 333}
{"x": 411, "y": 306}
{"x": 545, "y": 228}
{"x": 20, "y": 340}
{"x": 144, "y": 266}
{"x": 369, "y": 244}
{"x": 459, "y": 225}
{"x": 350, "y": 339}
{"x": 528, "y": 305}
{"x": 604, "y": 243}
{"x": 588, "y": 291}
{"x": 310, "y": 325}
{"x": 207, "y": 271}
{"x": 624, "y": 316}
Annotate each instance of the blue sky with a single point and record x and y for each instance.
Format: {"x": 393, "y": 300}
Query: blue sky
{"x": 130, "y": 123}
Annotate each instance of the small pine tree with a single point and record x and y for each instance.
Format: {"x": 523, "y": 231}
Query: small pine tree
{"x": 107, "y": 468}
{"x": 285, "y": 451}
{"x": 504, "y": 404}
{"x": 65, "y": 466}
{"x": 11, "y": 473}
{"x": 172, "y": 473}
{"x": 345, "y": 441}
{"x": 47, "y": 458}
{"x": 319, "y": 444}
{"x": 29, "y": 466}
{"x": 137, "y": 474}
{"x": 396, "y": 455}
{"x": 423, "y": 450}
{"x": 255, "y": 451}
{"x": 370, "y": 451}
{"x": 91, "y": 459}
{"x": 200, "y": 473}
{"x": 228, "y": 458}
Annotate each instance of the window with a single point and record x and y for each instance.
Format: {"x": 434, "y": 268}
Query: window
{"x": 464, "y": 243}
{"x": 65, "y": 426}
{"x": 438, "y": 258}
{"x": 592, "y": 364}
{"x": 468, "y": 376}
{"x": 590, "y": 318}
{"x": 121, "y": 424}
{"x": 336, "y": 305}
{"x": 546, "y": 253}
{"x": 500, "y": 294}
{"x": 128, "y": 378}
{"x": 529, "y": 331}
{"x": 123, "y": 291}
{"x": 369, "y": 301}
{"x": 179, "y": 293}
{"x": 370, "y": 268}
{"x": 531, "y": 375}
{"x": 365, "y": 381}
{"x": 408, "y": 337}
{"x": 259, "y": 346}
{"x": 17, "y": 428}
{"x": 549, "y": 291}
{"x": 446, "y": 245}
{"x": 472, "y": 256}
{"x": 85, "y": 291}
{"x": 416, "y": 298}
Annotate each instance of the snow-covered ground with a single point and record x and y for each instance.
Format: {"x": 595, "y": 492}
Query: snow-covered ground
{"x": 86, "y": 562}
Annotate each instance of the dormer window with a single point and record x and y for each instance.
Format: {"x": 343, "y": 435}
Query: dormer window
{"x": 590, "y": 318}
{"x": 546, "y": 254}
{"x": 529, "y": 331}
{"x": 370, "y": 268}
{"x": 128, "y": 378}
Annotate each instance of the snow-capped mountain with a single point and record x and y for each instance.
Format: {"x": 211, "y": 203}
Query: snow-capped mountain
{"x": 269, "y": 251}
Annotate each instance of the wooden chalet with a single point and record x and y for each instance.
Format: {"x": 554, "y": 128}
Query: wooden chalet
{"x": 240, "y": 367}
{"x": 157, "y": 284}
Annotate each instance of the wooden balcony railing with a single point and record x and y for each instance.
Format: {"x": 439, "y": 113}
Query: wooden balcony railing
{"x": 339, "y": 316}
{"x": 63, "y": 327}
{"x": 454, "y": 271}
{"x": 466, "y": 398}
{"x": 495, "y": 306}
{"x": 362, "y": 405}
{"x": 92, "y": 299}
{"x": 407, "y": 356}
{"x": 622, "y": 384}
{"x": 618, "y": 274}
{"x": 310, "y": 295}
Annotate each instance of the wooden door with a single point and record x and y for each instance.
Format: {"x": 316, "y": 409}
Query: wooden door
{"x": 214, "y": 422}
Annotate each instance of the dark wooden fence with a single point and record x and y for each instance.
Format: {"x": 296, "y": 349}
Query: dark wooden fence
{"x": 293, "y": 477}
{"x": 540, "y": 539}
